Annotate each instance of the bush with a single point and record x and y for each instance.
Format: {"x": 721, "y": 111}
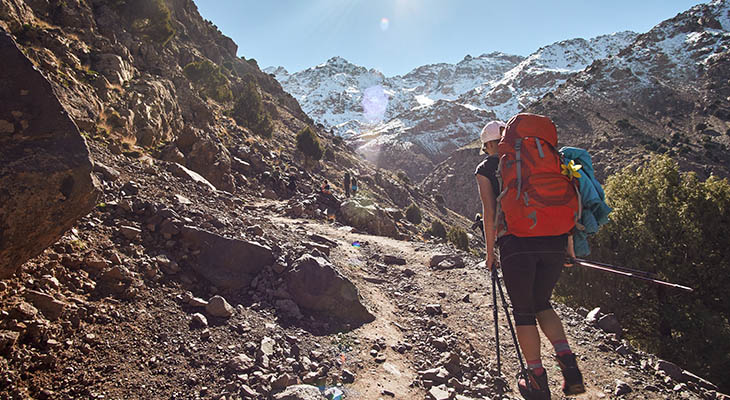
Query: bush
{"x": 308, "y": 144}
{"x": 249, "y": 111}
{"x": 209, "y": 78}
{"x": 675, "y": 226}
{"x": 437, "y": 229}
{"x": 329, "y": 154}
{"x": 149, "y": 18}
{"x": 458, "y": 237}
{"x": 413, "y": 214}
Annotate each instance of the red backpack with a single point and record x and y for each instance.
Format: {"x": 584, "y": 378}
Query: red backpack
{"x": 536, "y": 198}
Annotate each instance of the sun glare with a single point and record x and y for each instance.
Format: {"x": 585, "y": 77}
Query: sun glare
{"x": 384, "y": 24}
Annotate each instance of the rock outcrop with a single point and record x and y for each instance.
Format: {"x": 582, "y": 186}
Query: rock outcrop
{"x": 365, "y": 214}
{"x": 45, "y": 174}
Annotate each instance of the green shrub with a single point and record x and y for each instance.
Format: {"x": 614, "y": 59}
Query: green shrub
{"x": 458, "y": 237}
{"x": 437, "y": 229}
{"x": 308, "y": 143}
{"x": 675, "y": 226}
{"x": 249, "y": 111}
{"x": 413, "y": 214}
{"x": 149, "y": 18}
{"x": 209, "y": 78}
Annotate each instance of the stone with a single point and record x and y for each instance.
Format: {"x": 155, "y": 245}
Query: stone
{"x": 440, "y": 344}
{"x": 23, "y": 312}
{"x": 199, "y": 320}
{"x": 347, "y": 376}
{"x": 622, "y": 388}
{"x": 241, "y": 363}
{"x": 49, "y": 306}
{"x": 190, "y": 175}
{"x": 288, "y": 307}
{"x": 219, "y": 307}
{"x": 300, "y": 392}
{"x": 394, "y": 260}
{"x": 108, "y": 173}
{"x": 438, "y": 375}
{"x": 226, "y": 263}
{"x": 433, "y": 309}
{"x": 197, "y": 302}
{"x": 670, "y": 369}
{"x": 282, "y": 381}
{"x": 609, "y": 323}
{"x": 593, "y": 316}
{"x": 7, "y": 341}
{"x": 446, "y": 261}
{"x": 316, "y": 286}
{"x": 46, "y": 181}
{"x": 368, "y": 216}
{"x": 129, "y": 232}
{"x": 316, "y": 246}
{"x": 440, "y": 392}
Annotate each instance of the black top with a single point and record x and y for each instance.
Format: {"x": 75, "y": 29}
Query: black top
{"x": 488, "y": 169}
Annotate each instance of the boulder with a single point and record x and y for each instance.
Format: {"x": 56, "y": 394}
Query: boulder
{"x": 226, "y": 263}
{"x": 46, "y": 180}
{"x": 316, "y": 286}
{"x": 366, "y": 215}
{"x": 609, "y": 323}
{"x": 446, "y": 261}
{"x": 300, "y": 392}
{"x": 218, "y": 307}
{"x": 49, "y": 306}
{"x": 187, "y": 174}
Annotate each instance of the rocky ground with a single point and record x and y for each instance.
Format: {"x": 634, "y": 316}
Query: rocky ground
{"x": 131, "y": 304}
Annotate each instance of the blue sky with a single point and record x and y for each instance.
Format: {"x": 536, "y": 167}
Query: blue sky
{"x": 395, "y": 36}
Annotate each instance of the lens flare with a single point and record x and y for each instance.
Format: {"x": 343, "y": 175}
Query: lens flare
{"x": 374, "y": 103}
{"x": 384, "y": 24}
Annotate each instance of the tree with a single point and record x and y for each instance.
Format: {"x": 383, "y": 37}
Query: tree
{"x": 674, "y": 225}
{"x": 209, "y": 78}
{"x": 249, "y": 110}
{"x": 308, "y": 143}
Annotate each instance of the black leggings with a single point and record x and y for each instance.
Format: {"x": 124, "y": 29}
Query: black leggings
{"x": 531, "y": 267}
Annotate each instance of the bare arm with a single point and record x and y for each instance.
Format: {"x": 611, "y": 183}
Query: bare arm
{"x": 486, "y": 194}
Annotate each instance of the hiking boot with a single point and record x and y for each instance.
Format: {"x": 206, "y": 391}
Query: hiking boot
{"x": 533, "y": 387}
{"x": 572, "y": 378}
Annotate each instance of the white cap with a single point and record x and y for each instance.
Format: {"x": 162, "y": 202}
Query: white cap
{"x": 491, "y": 131}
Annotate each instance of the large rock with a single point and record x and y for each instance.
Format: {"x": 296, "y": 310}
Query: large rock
{"x": 367, "y": 215}
{"x": 316, "y": 286}
{"x": 300, "y": 392}
{"x": 45, "y": 174}
{"x": 227, "y": 263}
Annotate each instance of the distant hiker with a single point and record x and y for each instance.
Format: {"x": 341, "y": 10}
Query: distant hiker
{"x": 531, "y": 231}
{"x": 325, "y": 188}
{"x": 347, "y": 184}
{"x": 354, "y": 186}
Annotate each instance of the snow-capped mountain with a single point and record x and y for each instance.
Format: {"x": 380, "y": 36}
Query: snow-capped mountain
{"x": 666, "y": 92}
{"x": 435, "y": 108}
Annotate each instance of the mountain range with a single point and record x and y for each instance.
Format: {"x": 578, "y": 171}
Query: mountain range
{"x": 437, "y": 108}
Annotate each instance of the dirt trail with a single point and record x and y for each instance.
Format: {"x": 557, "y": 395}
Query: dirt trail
{"x": 399, "y": 300}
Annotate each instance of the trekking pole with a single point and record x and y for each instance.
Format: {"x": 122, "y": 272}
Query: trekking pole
{"x": 627, "y": 272}
{"x": 619, "y": 268}
{"x": 495, "y": 278}
{"x": 509, "y": 323}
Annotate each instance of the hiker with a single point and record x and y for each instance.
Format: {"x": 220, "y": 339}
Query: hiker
{"x": 354, "y": 186}
{"x": 531, "y": 264}
{"x": 326, "y": 189}
{"x": 347, "y": 184}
